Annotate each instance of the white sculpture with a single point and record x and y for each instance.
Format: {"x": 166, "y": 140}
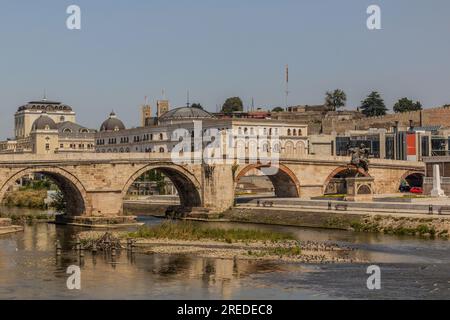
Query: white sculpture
{"x": 437, "y": 190}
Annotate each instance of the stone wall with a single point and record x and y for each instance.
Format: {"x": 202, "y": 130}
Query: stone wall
{"x": 427, "y": 117}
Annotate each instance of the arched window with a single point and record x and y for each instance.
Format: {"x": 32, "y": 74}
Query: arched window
{"x": 161, "y": 137}
{"x": 300, "y": 148}
{"x": 67, "y": 130}
{"x": 161, "y": 150}
{"x": 289, "y": 132}
{"x": 276, "y": 148}
{"x": 294, "y": 132}
{"x": 289, "y": 148}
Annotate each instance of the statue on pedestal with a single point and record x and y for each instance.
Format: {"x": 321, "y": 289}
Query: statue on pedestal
{"x": 360, "y": 157}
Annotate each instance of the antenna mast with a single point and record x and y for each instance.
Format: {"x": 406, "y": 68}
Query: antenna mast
{"x": 287, "y": 87}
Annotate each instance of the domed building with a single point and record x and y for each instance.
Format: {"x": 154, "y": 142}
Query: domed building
{"x": 112, "y": 124}
{"x": 44, "y": 122}
{"x": 164, "y": 132}
{"x": 46, "y": 126}
{"x": 184, "y": 114}
{"x": 28, "y": 113}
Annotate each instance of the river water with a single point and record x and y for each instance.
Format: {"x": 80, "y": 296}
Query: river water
{"x": 411, "y": 268}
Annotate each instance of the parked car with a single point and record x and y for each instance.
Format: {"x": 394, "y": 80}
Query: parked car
{"x": 405, "y": 188}
{"x": 416, "y": 190}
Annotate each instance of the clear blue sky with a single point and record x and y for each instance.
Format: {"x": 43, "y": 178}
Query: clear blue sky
{"x": 130, "y": 49}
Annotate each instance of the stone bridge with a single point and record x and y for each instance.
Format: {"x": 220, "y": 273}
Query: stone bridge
{"x": 95, "y": 184}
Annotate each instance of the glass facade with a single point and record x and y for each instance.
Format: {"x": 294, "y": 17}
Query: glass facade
{"x": 425, "y": 146}
{"x": 372, "y": 142}
{"x": 390, "y": 148}
{"x": 438, "y": 146}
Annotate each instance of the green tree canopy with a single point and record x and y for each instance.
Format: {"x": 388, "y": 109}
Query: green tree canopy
{"x": 233, "y": 104}
{"x": 406, "y": 105}
{"x": 278, "y": 109}
{"x": 335, "y": 100}
{"x": 197, "y": 105}
{"x": 373, "y": 105}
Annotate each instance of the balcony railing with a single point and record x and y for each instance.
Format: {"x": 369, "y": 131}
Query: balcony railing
{"x": 440, "y": 153}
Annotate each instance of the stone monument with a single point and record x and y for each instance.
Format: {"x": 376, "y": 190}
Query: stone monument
{"x": 437, "y": 190}
{"x": 360, "y": 188}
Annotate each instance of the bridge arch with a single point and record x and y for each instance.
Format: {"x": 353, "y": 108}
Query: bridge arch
{"x": 284, "y": 181}
{"x": 335, "y": 182}
{"x": 73, "y": 190}
{"x": 413, "y": 178}
{"x": 188, "y": 187}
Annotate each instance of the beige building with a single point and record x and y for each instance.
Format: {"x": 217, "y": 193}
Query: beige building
{"x": 27, "y": 114}
{"x": 44, "y": 127}
{"x": 165, "y": 132}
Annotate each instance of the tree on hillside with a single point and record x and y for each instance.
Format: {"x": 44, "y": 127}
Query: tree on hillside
{"x": 373, "y": 105}
{"x": 406, "y": 105}
{"x": 278, "y": 109}
{"x": 233, "y": 104}
{"x": 197, "y": 105}
{"x": 335, "y": 100}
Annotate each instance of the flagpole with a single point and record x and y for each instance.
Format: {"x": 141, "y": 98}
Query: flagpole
{"x": 287, "y": 86}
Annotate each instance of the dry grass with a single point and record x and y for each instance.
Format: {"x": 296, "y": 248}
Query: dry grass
{"x": 194, "y": 231}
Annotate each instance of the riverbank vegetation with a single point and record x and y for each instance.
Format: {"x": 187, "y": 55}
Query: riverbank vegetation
{"x": 26, "y": 198}
{"x": 184, "y": 230}
{"x": 201, "y": 240}
{"x": 426, "y": 227}
{"x": 27, "y": 218}
{"x": 33, "y": 195}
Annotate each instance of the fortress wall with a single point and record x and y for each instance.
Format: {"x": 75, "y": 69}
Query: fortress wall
{"x": 434, "y": 116}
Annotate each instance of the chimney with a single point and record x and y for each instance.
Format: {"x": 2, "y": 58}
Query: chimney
{"x": 411, "y": 125}
{"x": 396, "y": 127}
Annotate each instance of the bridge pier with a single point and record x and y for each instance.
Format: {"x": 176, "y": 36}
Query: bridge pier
{"x": 103, "y": 209}
{"x": 218, "y": 188}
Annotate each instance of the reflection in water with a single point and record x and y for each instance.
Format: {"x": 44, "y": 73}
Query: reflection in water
{"x": 30, "y": 269}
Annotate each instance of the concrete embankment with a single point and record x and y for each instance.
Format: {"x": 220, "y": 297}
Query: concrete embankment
{"x": 7, "y": 227}
{"x": 147, "y": 208}
{"x": 390, "y": 218}
{"x": 362, "y": 218}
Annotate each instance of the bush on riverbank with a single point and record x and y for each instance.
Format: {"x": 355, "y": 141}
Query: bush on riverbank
{"x": 27, "y": 198}
{"x": 191, "y": 231}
